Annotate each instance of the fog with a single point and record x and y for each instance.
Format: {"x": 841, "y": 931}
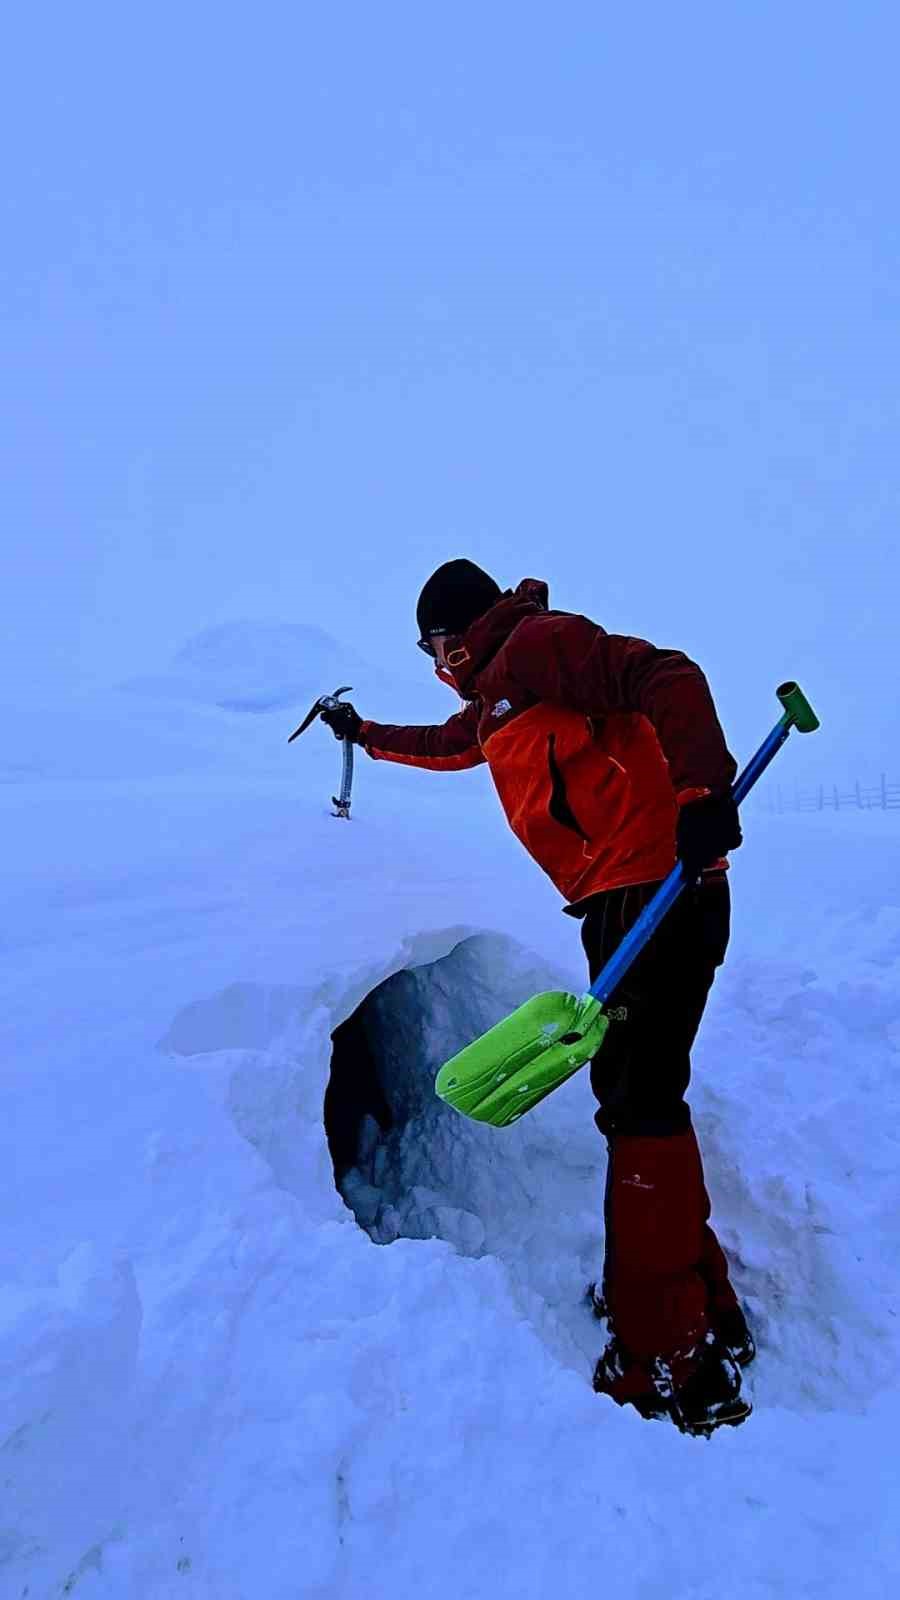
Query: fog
{"x": 300, "y": 303}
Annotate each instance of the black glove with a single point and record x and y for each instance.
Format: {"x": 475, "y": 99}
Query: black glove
{"x": 706, "y": 829}
{"x": 343, "y": 721}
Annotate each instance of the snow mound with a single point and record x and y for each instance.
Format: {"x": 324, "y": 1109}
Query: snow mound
{"x": 227, "y": 703}
{"x": 256, "y": 667}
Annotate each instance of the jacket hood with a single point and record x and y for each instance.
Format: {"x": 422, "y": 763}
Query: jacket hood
{"x": 468, "y": 653}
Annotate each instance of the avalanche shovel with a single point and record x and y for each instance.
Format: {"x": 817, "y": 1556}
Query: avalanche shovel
{"x": 516, "y": 1063}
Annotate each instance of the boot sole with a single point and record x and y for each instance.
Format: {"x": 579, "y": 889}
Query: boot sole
{"x": 649, "y": 1412}
{"x": 737, "y": 1413}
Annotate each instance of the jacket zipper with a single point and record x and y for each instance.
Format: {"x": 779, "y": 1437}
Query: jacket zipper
{"x": 559, "y": 807}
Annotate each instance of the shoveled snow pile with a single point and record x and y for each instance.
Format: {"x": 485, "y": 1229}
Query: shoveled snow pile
{"x": 260, "y": 1336}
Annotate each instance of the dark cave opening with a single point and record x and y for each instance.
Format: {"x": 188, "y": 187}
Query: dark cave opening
{"x": 405, "y": 1163}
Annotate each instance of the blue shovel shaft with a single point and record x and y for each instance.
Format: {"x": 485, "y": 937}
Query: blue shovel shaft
{"x": 668, "y": 892}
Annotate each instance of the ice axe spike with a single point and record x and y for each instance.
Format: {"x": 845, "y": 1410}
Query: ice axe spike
{"x": 328, "y": 702}
{"x": 516, "y": 1063}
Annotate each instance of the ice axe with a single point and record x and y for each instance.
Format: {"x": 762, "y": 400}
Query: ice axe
{"x": 328, "y": 702}
{"x": 516, "y": 1063}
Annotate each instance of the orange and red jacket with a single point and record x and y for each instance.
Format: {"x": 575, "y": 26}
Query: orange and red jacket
{"x": 592, "y": 739}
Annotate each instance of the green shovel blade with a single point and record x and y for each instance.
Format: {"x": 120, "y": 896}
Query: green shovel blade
{"x": 517, "y": 1062}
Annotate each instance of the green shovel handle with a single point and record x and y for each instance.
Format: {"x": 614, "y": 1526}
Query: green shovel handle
{"x": 800, "y": 712}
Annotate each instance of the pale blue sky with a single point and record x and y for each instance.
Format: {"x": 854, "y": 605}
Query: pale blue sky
{"x": 300, "y": 301}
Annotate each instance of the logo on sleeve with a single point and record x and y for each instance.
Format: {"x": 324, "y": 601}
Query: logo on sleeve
{"x": 501, "y": 708}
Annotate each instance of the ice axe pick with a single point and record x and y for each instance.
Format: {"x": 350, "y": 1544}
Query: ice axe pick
{"x": 328, "y": 702}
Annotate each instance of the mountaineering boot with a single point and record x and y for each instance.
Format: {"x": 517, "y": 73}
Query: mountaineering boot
{"x": 628, "y": 1383}
{"x": 593, "y": 1294}
{"x": 733, "y": 1332}
{"x": 731, "y": 1326}
{"x": 711, "y": 1398}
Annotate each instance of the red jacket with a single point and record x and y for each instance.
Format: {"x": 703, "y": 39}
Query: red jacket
{"x": 592, "y": 739}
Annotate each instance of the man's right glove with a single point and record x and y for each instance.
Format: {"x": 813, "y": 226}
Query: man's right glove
{"x": 706, "y": 830}
{"x": 344, "y": 722}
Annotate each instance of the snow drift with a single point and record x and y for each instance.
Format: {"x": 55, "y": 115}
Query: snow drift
{"x": 226, "y": 703}
{"x": 255, "y": 667}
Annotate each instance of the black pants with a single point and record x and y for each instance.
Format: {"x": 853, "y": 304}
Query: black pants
{"x": 641, "y": 1074}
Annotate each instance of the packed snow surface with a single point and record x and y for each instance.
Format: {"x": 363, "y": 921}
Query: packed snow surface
{"x": 223, "y": 1378}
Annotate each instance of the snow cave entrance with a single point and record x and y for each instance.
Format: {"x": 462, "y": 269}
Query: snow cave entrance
{"x": 405, "y": 1164}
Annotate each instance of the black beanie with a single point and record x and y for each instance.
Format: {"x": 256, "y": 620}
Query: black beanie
{"x": 453, "y": 597}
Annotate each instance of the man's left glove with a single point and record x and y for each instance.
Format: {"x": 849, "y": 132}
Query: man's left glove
{"x": 706, "y": 830}
{"x": 343, "y": 721}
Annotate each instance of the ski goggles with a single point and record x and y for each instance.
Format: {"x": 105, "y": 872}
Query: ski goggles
{"x": 425, "y": 642}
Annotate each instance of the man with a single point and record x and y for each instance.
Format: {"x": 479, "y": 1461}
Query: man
{"x": 610, "y": 762}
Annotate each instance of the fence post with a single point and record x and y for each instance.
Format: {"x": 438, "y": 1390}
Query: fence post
{"x": 821, "y": 797}
{"x": 858, "y": 796}
{"x": 883, "y": 792}
{"x": 837, "y": 799}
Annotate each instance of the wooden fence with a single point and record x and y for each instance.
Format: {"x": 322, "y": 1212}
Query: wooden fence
{"x": 882, "y": 796}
